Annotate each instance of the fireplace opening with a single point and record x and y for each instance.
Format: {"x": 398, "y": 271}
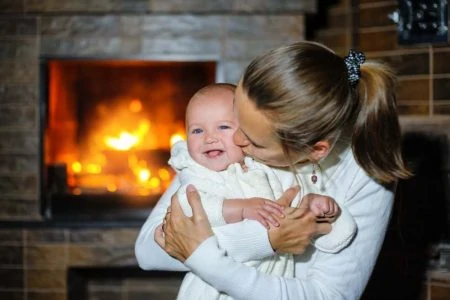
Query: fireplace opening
{"x": 108, "y": 125}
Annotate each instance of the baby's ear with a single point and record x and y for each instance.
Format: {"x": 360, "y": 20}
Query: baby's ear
{"x": 320, "y": 150}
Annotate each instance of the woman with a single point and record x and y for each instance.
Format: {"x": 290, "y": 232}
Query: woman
{"x": 333, "y": 123}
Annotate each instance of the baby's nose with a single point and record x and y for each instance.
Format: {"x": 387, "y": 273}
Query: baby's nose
{"x": 211, "y": 138}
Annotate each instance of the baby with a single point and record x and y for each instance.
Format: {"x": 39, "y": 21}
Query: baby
{"x": 233, "y": 187}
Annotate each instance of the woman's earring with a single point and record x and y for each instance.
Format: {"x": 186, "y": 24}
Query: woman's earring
{"x": 313, "y": 175}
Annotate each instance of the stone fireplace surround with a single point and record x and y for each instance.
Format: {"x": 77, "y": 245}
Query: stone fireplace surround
{"x": 36, "y": 253}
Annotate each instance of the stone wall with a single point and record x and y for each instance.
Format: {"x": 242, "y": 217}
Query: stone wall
{"x": 36, "y": 255}
{"x": 230, "y": 32}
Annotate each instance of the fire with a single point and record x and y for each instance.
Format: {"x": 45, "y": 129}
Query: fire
{"x": 127, "y": 140}
{"x": 127, "y": 159}
{"x": 124, "y": 142}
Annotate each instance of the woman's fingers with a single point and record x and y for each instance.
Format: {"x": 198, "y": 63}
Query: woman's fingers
{"x": 198, "y": 212}
{"x": 159, "y": 236}
{"x": 175, "y": 208}
{"x": 289, "y": 195}
{"x": 323, "y": 228}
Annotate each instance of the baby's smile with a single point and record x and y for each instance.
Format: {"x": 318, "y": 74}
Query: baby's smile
{"x": 213, "y": 153}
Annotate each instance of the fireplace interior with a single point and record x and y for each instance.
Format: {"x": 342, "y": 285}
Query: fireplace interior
{"x": 108, "y": 125}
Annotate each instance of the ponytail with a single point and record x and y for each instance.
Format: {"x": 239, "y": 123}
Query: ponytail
{"x": 376, "y": 139}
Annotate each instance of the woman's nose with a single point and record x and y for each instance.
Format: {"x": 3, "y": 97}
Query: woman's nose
{"x": 240, "y": 139}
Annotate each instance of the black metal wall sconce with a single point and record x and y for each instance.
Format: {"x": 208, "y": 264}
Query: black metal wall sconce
{"x": 421, "y": 21}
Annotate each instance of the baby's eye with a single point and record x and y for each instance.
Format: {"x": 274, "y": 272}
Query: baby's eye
{"x": 197, "y": 131}
{"x": 224, "y": 127}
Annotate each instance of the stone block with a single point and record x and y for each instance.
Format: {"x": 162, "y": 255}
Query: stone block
{"x": 101, "y": 255}
{"x": 191, "y": 49}
{"x": 80, "y": 26}
{"x": 18, "y": 94}
{"x": 42, "y": 6}
{"x": 11, "y": 295}
{"x": 407, "y": 63}
{"x": 46, "y": 236}
{"x": 46, "y": 279}
{"x": 81, "y": 47}
{"x": 441, "y": 89}
{"x": 19, "y": 163}
{"x": 130, "y": 26}
{"x": 183, "y": 26}
{"x": 177, "y": 6}
{"x": 11, "y": 6}
{"x": 18, "y": 142}
{"x": 441, "y": 108}
{"x": 383, "y": 40}
{"x": 19, "y": 208}
{"x": 11, "y": 237}
{"x": 248, "y": 49}
{"x": 413, "y": 109}
{"x": 46, "y": 295}
{"x": 376, "y": 16}
{"x": 266, "y": 27}
{"x": 18, "y": 184}
{"x": 47, "y": 256}
{"x": 12, "y": 278}
{"x": 18, "y": 49}
{"x": 11, "y": 256}
{"x": 104, "y": 236}
{"x": 440, "y": 62}
{"x": 23, "y": 71}
{"x": 233, "y": 70}
{"x": 274, "y": 6}
{"x": 338, "y": 40}
{"x": 18, "y": 117}
{"x": 413, "y": 90}
{"x": 18, "y": 26}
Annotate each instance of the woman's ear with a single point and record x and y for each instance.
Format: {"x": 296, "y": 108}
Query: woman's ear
{"x": 320, "y": 150}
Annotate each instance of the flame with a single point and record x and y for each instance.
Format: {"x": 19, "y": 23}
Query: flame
{"x": 127, "y": 140}
{"x": 124, "y": 142}
{"x": 135, "y": 106}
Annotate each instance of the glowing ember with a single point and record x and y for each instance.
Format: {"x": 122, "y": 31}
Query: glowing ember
{"x": 76, "y": 167}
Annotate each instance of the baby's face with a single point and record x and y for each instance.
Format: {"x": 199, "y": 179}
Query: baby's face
{"x": 211, "y": 123}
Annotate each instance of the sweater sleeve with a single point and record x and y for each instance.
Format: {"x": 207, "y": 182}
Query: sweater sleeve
{"x": 318, "y": 275}
{"x": 232, "y": 237}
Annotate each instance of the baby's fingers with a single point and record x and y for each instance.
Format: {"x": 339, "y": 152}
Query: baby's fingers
{"x": 274, "y": 208}
{"x": 268, "y": 217}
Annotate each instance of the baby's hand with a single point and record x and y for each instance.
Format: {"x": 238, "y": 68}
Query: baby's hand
{"x": 263, "y": 211}
{"x": 325, "y": 209}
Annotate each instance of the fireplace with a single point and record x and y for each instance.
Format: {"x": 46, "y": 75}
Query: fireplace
{"x": 107, "y": 128}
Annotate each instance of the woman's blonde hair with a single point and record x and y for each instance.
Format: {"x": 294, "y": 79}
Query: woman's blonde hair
{"x": 304, "y": 89}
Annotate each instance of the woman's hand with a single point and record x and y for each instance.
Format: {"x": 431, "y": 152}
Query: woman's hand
{"x": 298, "y": 227}
{"x": 180, "y": 235}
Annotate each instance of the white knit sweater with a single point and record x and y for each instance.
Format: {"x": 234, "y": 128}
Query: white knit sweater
{"x": 318, "y": 275}
{"x": 214, "y": 187}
